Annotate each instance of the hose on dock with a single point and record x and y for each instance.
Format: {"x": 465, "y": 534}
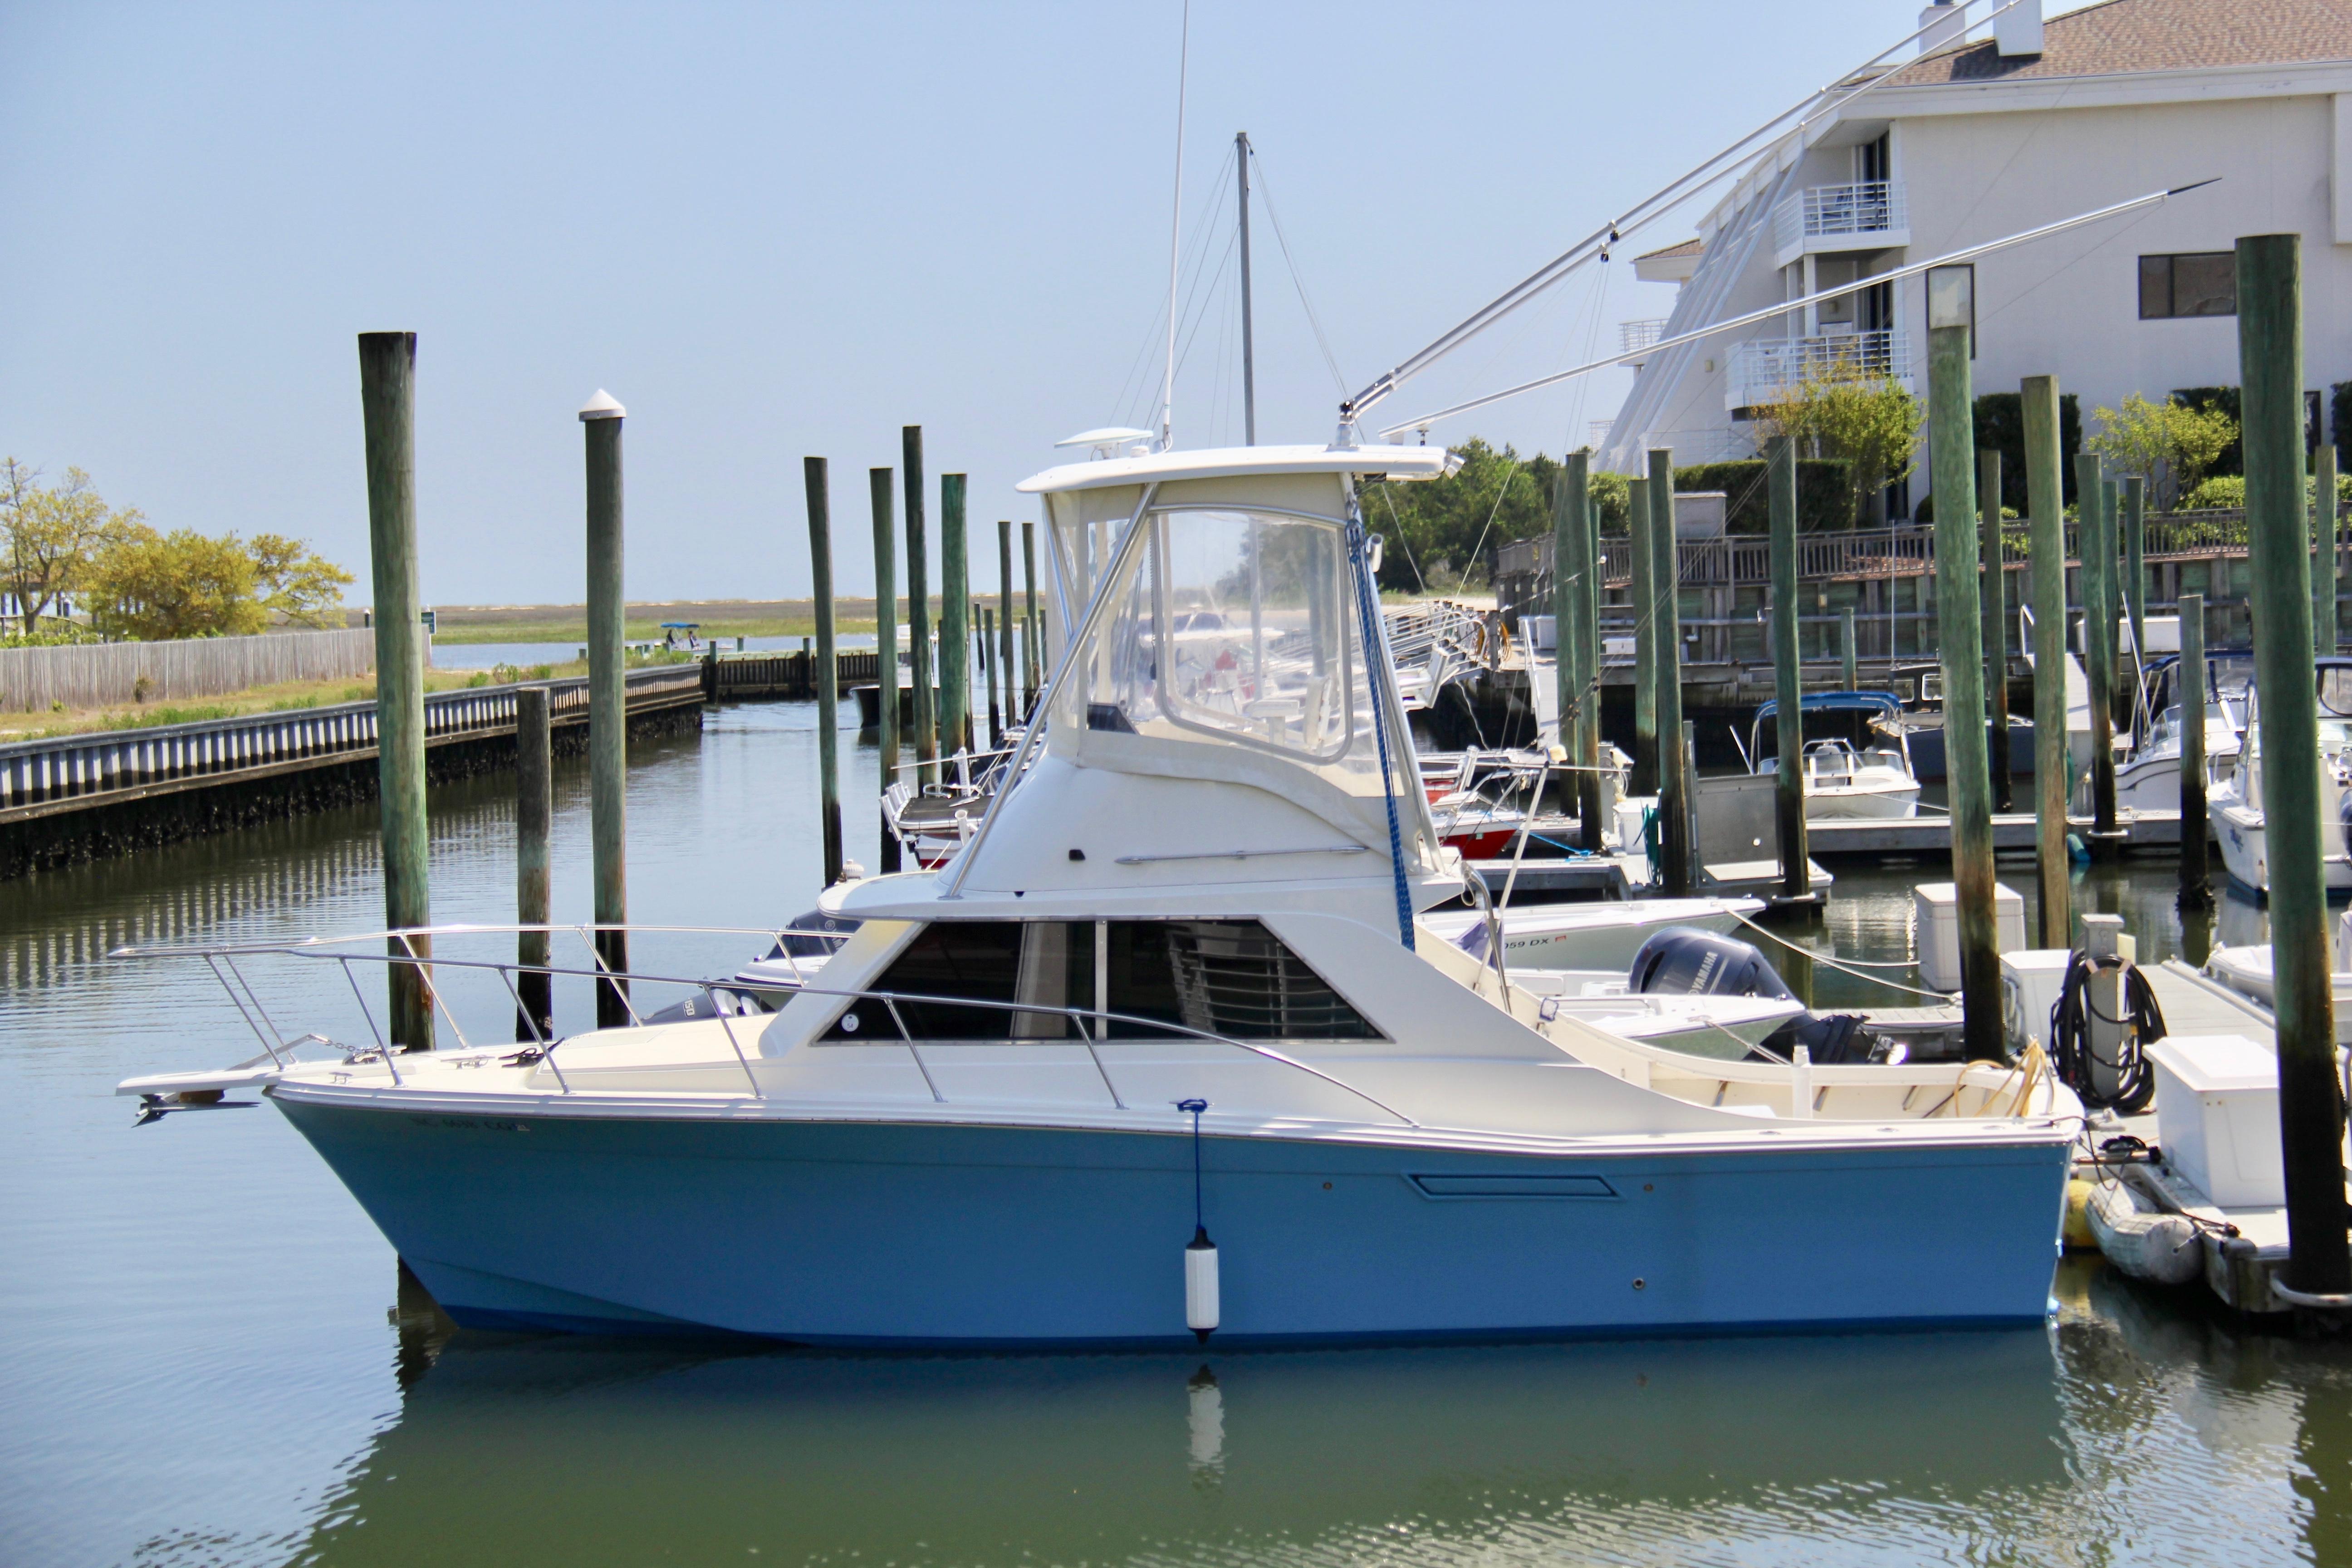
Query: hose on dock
{"x": 2069, "y": 1036}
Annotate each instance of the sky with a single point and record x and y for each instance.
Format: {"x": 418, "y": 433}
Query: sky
{"x": 775, "y": 231}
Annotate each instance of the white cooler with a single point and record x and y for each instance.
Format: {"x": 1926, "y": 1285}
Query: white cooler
{"x": 2030, "y": 983}
{"x": 2217, "y": 1117}
{"x": 1936, "y": 906}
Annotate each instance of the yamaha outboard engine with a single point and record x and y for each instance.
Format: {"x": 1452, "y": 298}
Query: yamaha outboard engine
{"x": 1683, "y": 960}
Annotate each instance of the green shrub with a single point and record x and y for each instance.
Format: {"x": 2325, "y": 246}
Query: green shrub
{"x": 2339, "y": 420}
{"x": 2000, "y": 427}
{"x": 1823, "y": 498}
{"x": 2228, "y": 490}
{"x": 2232, "y": 459}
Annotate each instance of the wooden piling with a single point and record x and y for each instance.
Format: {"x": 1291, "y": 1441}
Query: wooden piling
{"x": 1574, "y": 649}
{"x": 2046, "y": 518}
{"x": 534, "y": 901}
{"x": 1034, "y": 659}
{"x": 1675, "y": 783}
{"x": 1644, "y": 780}
{"x": 1951, "y": 435}
{"x": 1849, "y": 657}
{"x": 885, "y": 642}
{"x": 918, "y": 609}
{"x": 1005, "y": 662}
{"x": 828, "y": 664}
{"x": 2327, "y": 628}
{"x": 1592, "y": 814}
{"x": 2095, "y": 528}
{"x": 955, "y": 633}
{"x": 1993, "y": 589}
{"x": 388, "y": 415}
{"x": 608, "y": 706}
{"x": 1788, "y": 683}
{"x": 2196, "y": 885}
{"x": 990, "y": 663}
{"x": 2270, "y": 373}
{"x": 2135, "y": 527}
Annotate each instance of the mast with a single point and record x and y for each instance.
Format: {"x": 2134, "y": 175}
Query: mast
{"x": 1175, "y": 235}
{"x": 1249, "y": 357}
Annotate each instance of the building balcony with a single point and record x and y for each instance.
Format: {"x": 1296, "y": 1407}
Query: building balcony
{"x": 1766, "y": 370}
{"x": 1871, "y": 215}
{"x": 1637, "y": 336}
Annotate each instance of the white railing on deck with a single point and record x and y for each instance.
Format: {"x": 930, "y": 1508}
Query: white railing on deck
{"x": 1837, "y": 212}
{"x": 1764, "y": 369}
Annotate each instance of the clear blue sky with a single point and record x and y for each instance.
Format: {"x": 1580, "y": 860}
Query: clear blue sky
{"x": 776, "y": 230}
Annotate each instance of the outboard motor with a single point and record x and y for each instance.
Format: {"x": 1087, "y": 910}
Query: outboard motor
{"x": 1681, "y": 961}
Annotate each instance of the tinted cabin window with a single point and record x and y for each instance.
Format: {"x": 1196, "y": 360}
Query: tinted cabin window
{"x": 1234, "y": 978}
{"x": 2203, "y": 283}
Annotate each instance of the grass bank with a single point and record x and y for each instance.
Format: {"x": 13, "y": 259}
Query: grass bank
{"x": 286, "y": 697}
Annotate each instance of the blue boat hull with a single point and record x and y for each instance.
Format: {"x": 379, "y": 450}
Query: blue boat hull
{"x": 924, "y": 1234}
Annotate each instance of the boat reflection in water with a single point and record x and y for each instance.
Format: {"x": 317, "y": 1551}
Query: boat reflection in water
{"x": 516, "y": 1450}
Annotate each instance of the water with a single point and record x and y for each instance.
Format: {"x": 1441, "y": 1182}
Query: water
{"x": 208, "y": 1356}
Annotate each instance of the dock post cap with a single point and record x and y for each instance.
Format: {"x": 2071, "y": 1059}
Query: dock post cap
{"x": 603, "y": 406}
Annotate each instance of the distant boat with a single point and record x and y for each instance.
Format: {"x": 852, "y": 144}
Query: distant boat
{"x": 1862, "y": 770}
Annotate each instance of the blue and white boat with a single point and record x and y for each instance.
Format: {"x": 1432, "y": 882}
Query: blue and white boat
{"x": 1163, "y": 1051}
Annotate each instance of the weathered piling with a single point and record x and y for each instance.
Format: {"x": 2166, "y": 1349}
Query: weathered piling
{"x": 2097, "y": 547}
{"x": 2046, "y": 517}
{"x": 2328, "y": 630}
{"x": 2135, "y": 526}
{"x": 1951, "y": 435}
{"x": 991, "y": 664}
{"x": 886, "y": 643}
{"x": 955, "y": 633}
{"x": 918, "y": 609}
{"x": 1992, "y": 588}
{"x": 1787, "y": 683}
{"x": 1574, "y": 649}
{"x": 1674, "y": 777}
{"x": 1591, "y": 814}
{"x": 534, "y": 900}
{"x": 2270, "y": 373}
{"x": 2196, "y": 887}
{"x": 828, "y": 667}
{"x": 608, "y": 704}
{"x": 1033, "y": 657}
{"x": 1849, "y": 678}
{"x": 1644, "y": 780}
{"x": 1005, "y": 659}
{"x": 388, "y": 414}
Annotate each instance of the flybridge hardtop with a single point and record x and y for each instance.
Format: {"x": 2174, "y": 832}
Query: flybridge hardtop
{"x": 1168, "y": 1023}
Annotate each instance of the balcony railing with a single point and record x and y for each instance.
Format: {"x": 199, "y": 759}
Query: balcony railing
{"x": 1639, "y": 335}
{"x": 1860, "y": 212}
{"x": 1770, "y": 368}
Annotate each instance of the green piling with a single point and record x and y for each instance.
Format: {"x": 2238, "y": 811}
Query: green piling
{"x": 918, "y": 609}
{"x": 991, "y": 664}
{"x": 2096, "y": 536}
{"x": 955, "y": 633}
{"x": 1644, "y": 780}
{"x": 2196, "y": 884}
{"x": 1572, "y": 634}
{"x": 1951, "y": 435}
{"x": 1677, "y": 797}
{"x": 1588, "y": 732}
{"x": 388, "y": 415}
{"x": 2046, "y": 519}
{"x": 2135, "y": 527}
{"x": 1849, "y": 657}
{"x": 1788, "y": 679}
{"x": 2329, "y": 563}
{"x": 1006, "y": 651}
{"x": 608, "y": 706}
{"x": 1993, "y": 588}
{"x": 828, "y": 665}
{"x": 885, "y": 642}
{"x": 1033, "y": 655}
{"x": 534, "y": 901}
{"x": 2270, "y": 373}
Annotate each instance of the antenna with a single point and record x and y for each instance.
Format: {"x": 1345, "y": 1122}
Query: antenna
{"x": 1249, "y": 356}
{"x": 1175, "y": 234}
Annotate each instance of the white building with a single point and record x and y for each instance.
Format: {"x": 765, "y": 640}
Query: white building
{"x": 1973, "y": 141}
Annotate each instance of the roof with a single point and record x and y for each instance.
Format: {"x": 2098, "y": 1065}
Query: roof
{"x": 1227, "y": 462}
{"x": 2120, "y": 36}
{"x": 1691, "y": 246}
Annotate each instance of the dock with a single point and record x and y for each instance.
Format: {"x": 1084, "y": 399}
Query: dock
{"x": 1925, "y": 835}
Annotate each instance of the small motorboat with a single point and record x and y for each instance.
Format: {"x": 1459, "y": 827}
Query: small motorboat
{"x": 2147, "y": 770}
{"x": 1856, "y": 758}
{"x": 2234, "y": 807}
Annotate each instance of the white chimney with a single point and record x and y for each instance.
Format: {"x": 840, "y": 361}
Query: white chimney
{"x": 1944, "y": 24}
{"x": 2018, "y": 30}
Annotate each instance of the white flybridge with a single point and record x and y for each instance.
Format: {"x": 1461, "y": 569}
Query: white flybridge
{"x": 1167, "y": 1024}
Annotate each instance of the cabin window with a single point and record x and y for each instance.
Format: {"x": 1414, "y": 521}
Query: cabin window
{"x": 2203, "y": 283}
{"x": 1232, "y": 978}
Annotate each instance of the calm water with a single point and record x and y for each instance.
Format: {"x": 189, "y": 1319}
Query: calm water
{"x": 208, "y": 1357}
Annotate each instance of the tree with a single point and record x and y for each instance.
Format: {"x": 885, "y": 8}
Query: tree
{"x": 52, "y": 533}
{"x": 1437, "y": 533}
{"x": 2168, "y": 445}
{"x": 154, "y": 588}
{"x": 1843, "y": 409}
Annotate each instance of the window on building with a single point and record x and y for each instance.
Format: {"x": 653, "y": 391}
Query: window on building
{"x": 1234, "y": 978}
{"x": 2201, "y": 283}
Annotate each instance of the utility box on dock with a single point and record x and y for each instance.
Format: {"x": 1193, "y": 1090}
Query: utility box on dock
{"x": 1541, "y": 632}
{"x": 1937, "y": 907}
{"x": 2217, "y": 1117}
{"x": 2030, "y": 982}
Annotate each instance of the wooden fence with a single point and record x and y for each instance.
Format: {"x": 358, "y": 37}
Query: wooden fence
{"x": 102, "y": 675}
